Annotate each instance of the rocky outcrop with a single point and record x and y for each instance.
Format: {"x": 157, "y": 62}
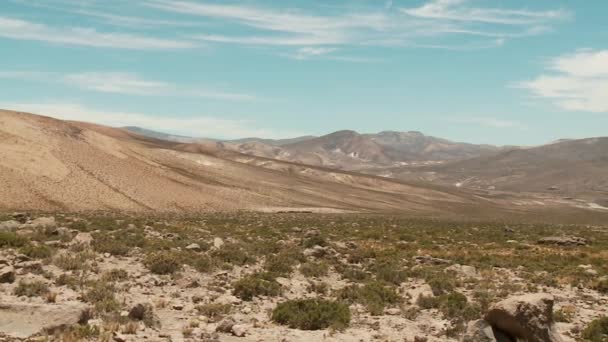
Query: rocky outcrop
{"x": 563, "y": 241}
{"x": 22, "y": 320}
{"x": 528, "y": 317}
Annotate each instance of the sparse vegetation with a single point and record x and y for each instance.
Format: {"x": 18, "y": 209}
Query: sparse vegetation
{"x": 163, "y": 263}
{"x": 31, "y": 289}
{"x": 597, "y": 330}
{"x": 375, "y": 296}
{"x": 260, "y": 284}
{"x": 312, "y": 314}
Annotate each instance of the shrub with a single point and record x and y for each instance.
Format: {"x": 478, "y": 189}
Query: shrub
{"x": 601, "y": 286}
{"x": 11, "y": 240}
{"x": 596, "y": 330}
{"x": 117, "y": 245}
{"x": 259, "y": 284}
{"x": 115, "y": 275}
{"x": 390, "y": 273}
{"x": 73, "y": 262}
{"x": 312, "y": 314}
{"x": 315, "y": 241}
{"x": 101, "y": 294}
{"x": 36, "y": 252}
{"x": 374, "y": 296}
{"x": 33, "y": 289}
{"x": 215, "y": 312}
{"x": 233, "y": 254}
{"x": 163, "y": 263}
{"x": 314, "y": 269}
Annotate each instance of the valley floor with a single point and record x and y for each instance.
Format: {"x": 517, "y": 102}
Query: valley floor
{"x": 290, "y": 277}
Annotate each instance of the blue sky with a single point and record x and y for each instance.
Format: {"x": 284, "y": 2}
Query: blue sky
{"x": 499, "y": 72}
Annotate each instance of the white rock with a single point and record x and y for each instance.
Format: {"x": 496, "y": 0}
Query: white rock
{"x": 218, "y": 242}
{"x": 239, "y": 330}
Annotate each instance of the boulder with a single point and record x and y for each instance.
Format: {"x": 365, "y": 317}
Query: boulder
{"x": 563, "y": 241}
{"x": 22, "y": 320}
{"x": 82, "y": 239}
{"x": 528, "y": 317}
{"x": 7, "y": 274}
{"x": 482, "y": 331}
{"x": 239, "y": 330}
{"x": 225, "y": 326}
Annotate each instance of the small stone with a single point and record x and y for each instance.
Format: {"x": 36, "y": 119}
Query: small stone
{"x": 225, "y": 326}
{"x": 392, "y": 311}
{"x": 239, "y": 330}
{"x": 178, "y": 307}
{"x": 218, "y": 242}
{"x": 194, "y": 247}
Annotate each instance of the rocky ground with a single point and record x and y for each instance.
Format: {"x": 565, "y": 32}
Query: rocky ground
{"x": 299, "y": 277}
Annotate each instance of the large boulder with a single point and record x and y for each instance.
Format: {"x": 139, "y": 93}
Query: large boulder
{"x": 9, "y": 226}
{"x": 482, "y": 331}
{"x": 528, "y": 317}
{"x": 22, "y": 320}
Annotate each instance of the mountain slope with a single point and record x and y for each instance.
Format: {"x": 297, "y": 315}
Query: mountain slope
{"x": 48, "y": 164}
{"x": 572, "y": 167}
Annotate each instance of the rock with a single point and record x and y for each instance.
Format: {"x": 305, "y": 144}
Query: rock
{"x": 227, "y": 299}
{"x": 479, "y": 331}
{"x": 22, "y": 320}
{"x": 316, "y": 251}
{"x": 591, "y": 272}
{"x": 563, "y": 241}
{"x": 178, "y": 307}
{"x": 463, "y": 270}
{"x": 43, "y": 222}
{"x": 82, "y": 239}
{"x": 392, "y": 311}
{"x": 118, "y": 337}
{"x": 218, "y": 242}
{"x": 427, "y": 259}
{"x": 421, "y": 291}
{"x": 144, "y": 313}
{"x": 7, "y": 274}
{"x": 225, "y": 326}
{"x": 20, "y": 217}
{"x": 9, "y": 226}
{"x": 239, "y": 330}
{"x": 528, "y": 317}
{"x": 194, "y": 247}
{"x": 420, "y": 339}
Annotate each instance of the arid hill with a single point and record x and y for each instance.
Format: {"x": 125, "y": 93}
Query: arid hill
{"x": 48, "y": 164}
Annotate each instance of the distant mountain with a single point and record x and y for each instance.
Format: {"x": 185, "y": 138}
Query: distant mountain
{"x": 569, "y": 167}
{"x": 346, "y": 149}
{"x": 159, "y": 135}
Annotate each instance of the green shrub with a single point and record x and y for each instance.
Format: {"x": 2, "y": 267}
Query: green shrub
{"x": 375, "y": 296}
{"x": 315, "y": 241}
{"x": 73, "y": 262}
{"x": 117, "y": 243}
{"x": 596, "y": 330}
{"x": 314, "y": 269}
{"x": 163, "y": 263}
{"x": 36, "y": 252}
{"x": 312, "y": 314}
{"x": 11, "y": 240}
{"x": 601, "y": 286}
{"x": 33, "y": 289}
{"x": 101, "y": 294}
{"x": 233, "y": 254}
{"x": 255, "y": 285}
{"x": 280, "y": 265}
{"x": 390, "y": 273}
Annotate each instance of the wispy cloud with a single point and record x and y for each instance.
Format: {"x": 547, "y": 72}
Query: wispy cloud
{"x": 124, "y": 83}
{"x": 25, "y": 30}
{"x": 383, "y": 25}
{"x": 459, "y": 10}
{"x": 577, "y": 81}
{"x": 196, "y": 126}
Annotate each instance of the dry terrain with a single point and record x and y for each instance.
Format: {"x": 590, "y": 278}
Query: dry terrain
{"x": 299, "y": 277}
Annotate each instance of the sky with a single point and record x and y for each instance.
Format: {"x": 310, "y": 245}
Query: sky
{"x": 505, "y": 72}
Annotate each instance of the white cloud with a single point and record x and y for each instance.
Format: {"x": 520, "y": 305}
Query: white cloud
{"x": 197, "y": 126}
{"x": 24, "y": 30}
{"x": 377, "y": 26}
{"x": 578, "y": 81}
{"x": 310, "y": 52}
{"x": 124, "y": 83}
{"x": 457, "y": 10}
